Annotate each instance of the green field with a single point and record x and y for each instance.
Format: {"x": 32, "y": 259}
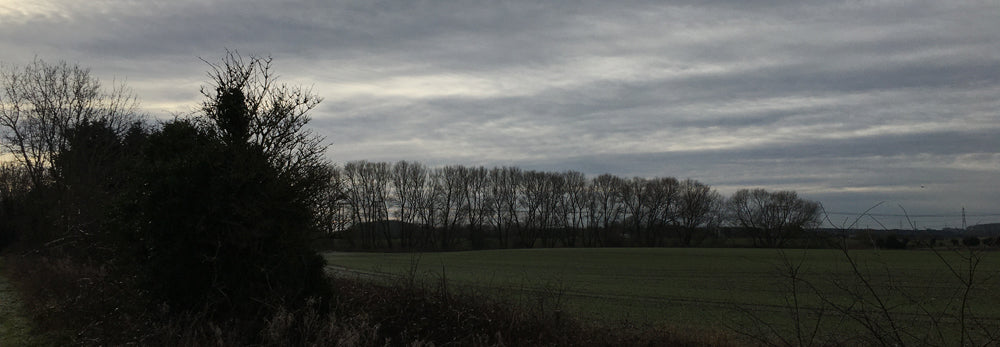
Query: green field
{"x": 707, "y": 288}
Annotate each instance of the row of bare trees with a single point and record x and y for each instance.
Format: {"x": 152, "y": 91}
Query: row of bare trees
{"x": 409, "y": 205}
{"x": 44, "y": 106}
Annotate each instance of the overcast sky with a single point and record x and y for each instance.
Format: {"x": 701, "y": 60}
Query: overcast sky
{"x": 847, "y": 102}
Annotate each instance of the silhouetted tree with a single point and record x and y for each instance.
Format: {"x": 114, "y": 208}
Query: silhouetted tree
{"x": 504, "y": 185}
{"x": 217, "y": 228}
{"x": 607, "y": 209}
{"x": 245, "y": 103}
{"x": 536, "y": 202}
{"x": 661, "y": 196}
{"x": 476, "y": 203}
{"x": 448, "y": 186}
{"x": 408, "y": 181}
{"x": 648, "y": 203}
{"x": 332, "y": 212}
{"x": 220, "y": 210}
{"x": 697, "y": 206}
{"x": 40, "y": 105}
{"x": 91, "y": 168}
{"x": 366, "y": 188}
{"x": 575, "y": 205}
{"x": 40, "y": 102}
{"x": 517, "y": 208}
{"x": 771, "y": 218}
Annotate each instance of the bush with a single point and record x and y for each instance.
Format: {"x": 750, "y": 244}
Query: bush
{"x": 213, "y": 225}
{"x": 989, "y": 241}
{"x": 72, "y": 303}
{"x": 971, "y": 241}
{"x": 891, "y": 242}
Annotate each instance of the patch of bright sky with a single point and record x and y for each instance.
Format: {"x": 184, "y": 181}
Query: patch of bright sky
{"x": 519, "y": 81}
{"x": 21, "y": 11}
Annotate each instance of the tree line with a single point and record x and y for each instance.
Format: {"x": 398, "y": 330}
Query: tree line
{"x": 408, "y": 205}
{"x": 77, "y": 147}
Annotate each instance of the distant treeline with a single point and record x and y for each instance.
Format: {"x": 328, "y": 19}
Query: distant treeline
{"x": 407, "y": 205}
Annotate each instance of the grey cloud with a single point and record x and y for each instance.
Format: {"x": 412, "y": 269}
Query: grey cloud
{"x": 939, "y": 143}
{"x": 847, "y": 102}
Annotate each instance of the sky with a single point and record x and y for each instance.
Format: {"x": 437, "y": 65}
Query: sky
{"x": 850, "y": 103}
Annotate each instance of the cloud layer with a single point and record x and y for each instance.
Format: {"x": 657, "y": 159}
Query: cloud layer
{"x": 849, "y": 103}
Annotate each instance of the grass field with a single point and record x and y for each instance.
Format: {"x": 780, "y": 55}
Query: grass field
{"x": 14, "y": 326}
{"x": 706, "y": 288}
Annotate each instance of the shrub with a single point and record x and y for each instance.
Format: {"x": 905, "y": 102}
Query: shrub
{"x": 212, "y": 225}
{"x": 72, "y": 303}
{"x": 971, "y": 241}
{"x": 989, "y": 241}
{"x": 891, "y": 242}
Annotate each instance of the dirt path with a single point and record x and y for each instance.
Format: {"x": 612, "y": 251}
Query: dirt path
{"x": 14, "y": 328}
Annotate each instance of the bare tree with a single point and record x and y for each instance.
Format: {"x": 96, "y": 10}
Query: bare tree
{"x": 661, "y": 199}
{"x": 333, "y": 209}
{"x": 553, "y": 214}
{"x": 41, "y": 102}
{"x": 648, "y": 203}
{"x": 575, "y": 202}
{"x": 608, "y": 209}
{"x": 272, "y": 116}
{"x": 429, "y": 210}
{"x": 538, "y": 201}
{"x": 697, "y": 205}
{"x": 772, "y": 218}
{"x": 408, "y": 180}
{"x": 366, "y": 186}
{"x": 476, "y": 205}
{"x": 449, "y": 189}
{"x": 504, "y": 187}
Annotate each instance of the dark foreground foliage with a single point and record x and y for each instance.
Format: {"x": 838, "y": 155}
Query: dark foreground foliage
{"x": 213, "y": 224}
{"x": 75, "y": 304}
{"x": 210, "y": 216}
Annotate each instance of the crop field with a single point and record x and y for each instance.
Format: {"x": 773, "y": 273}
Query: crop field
{"x": 712, "y": 288}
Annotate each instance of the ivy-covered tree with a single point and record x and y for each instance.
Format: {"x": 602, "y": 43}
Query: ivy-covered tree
{"x": 220, "y": 212}
{"x": 245, "y": 103}
{"x": 214, "y": 227}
